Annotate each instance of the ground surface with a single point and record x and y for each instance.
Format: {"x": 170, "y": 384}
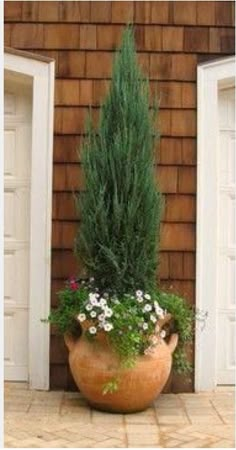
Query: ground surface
{"x": 63, "y": 419}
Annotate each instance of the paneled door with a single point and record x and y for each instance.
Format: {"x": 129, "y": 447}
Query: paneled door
{"x": 226, "y": 240}
{"x": 17, "y": 164}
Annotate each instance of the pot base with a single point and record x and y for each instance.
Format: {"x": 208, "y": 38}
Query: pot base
{"x": 113, "y": 410}
{"x": 93, "y": 366}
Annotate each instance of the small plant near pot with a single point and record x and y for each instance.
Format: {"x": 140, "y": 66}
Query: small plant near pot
{"x": 129, "y": 326}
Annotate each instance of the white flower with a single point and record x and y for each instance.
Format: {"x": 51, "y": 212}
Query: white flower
{"x": 153, "y": 318}
{"x": 103, "y": 302}
{"x": 147, "y": 308}
{"x": 139, "y": 293}
{"x": 91, "y": 279}
{"x": 88, "y": 307}
{"x": 147, "y": 296}
{"x": 108, "y": 326}
{"x": 101, "y": 317}
{"x": 92, "y": 330}
{"x": 139, "y": 299}
{"x": 163, "y": 334}
{"x": 108, "y": 312}
{"x": 93, "y": 299}
{"x": 81, "y": 317}
{"x": 93, "y": 314}
{"x": 145, "y": 326}
{"x": 159, "y": 310}
{"x": 94, "y": 302}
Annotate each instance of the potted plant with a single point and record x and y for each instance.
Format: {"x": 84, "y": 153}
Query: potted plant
{"x": 130, "y": 328}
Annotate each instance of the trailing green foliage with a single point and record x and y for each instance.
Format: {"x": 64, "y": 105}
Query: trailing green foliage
{"x": 110, "y": 387}
{"x": 183, "y": 317}
{"x": 64, "y": 316}
{"x": 131, "y": 320}
{"x": 121, "y": 206}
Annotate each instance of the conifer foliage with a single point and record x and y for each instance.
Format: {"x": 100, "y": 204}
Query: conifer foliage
{"x": 121, "y": 205}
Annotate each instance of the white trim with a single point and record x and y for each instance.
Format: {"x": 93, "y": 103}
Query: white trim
{"x": 210, "y": 77}
{"x": 1, "y": 235}
{"x": 41, "y": 75}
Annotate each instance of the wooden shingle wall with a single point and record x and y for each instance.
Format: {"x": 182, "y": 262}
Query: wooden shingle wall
{"x": 172, "y": 38}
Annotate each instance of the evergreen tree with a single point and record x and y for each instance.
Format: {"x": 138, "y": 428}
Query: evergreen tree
{"x": 121, "y": 206}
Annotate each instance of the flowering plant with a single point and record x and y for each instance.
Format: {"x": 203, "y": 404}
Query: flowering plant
{"x": 132, "y": 322}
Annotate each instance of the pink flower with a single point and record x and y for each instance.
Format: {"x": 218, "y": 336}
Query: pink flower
{"x": 74, "y": 285}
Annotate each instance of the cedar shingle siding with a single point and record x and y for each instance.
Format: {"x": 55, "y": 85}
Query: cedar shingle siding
{"x": 172, "y": 38}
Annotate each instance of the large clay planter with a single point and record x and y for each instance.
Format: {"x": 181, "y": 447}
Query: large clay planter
{"x": 93, "y": 364}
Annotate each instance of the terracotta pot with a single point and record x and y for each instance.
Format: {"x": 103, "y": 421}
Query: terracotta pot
{"x": 93, "y": 364}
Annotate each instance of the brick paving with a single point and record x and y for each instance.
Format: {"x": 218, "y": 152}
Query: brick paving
{"x": 37, "y": 419}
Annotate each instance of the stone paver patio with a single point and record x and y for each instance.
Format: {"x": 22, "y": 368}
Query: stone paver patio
{"x": 63, "y": 419}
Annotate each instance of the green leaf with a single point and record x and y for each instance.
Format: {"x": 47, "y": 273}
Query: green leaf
{"x": 110, "y": 387}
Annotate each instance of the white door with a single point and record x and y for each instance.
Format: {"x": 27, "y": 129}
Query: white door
{"x": 17, "y": 163}
{"x": 226, "y": 240}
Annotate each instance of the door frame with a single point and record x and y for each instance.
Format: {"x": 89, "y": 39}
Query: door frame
{"x": 211, "y": 77}
{"x": 40, "y": 72}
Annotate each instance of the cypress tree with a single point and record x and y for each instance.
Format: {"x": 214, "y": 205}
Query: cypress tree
{"x": 121, "y": 205}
